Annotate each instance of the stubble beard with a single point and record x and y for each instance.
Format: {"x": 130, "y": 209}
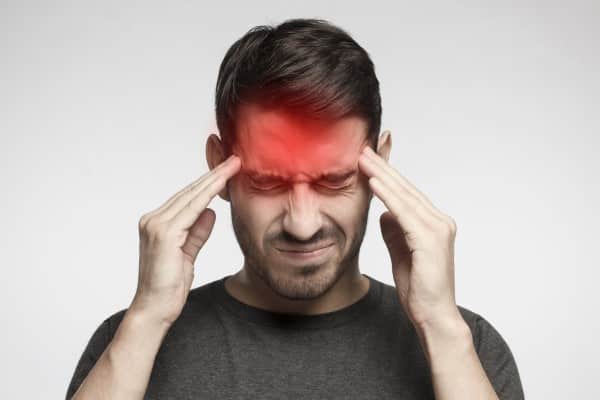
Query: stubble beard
{"x": 309, "y": 281}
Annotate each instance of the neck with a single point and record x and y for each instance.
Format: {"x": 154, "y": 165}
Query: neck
{"x": 251, "y": 289}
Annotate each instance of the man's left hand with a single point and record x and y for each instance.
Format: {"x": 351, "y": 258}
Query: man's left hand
{"x": 420, "y": 240}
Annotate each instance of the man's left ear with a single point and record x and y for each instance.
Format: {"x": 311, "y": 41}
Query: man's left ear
{"x": 384, "y": 146}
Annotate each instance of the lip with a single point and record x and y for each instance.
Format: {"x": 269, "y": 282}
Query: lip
{"x": 306, "y": 250}
{"x": 317, "y": 254}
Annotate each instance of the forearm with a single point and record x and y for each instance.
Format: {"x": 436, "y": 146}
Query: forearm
{"x": 123, "y": 370}
{"x": 456, "y": 370}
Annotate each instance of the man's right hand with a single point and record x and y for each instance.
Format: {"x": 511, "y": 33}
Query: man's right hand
{"x": 170, "y": 239}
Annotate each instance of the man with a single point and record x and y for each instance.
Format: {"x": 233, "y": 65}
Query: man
{"x": 299, "y": 160}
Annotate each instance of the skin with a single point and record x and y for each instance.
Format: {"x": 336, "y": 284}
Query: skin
{"x": 303, "y": 210}
{"x": 420, "y": 240}
{"x": 171, "y": 237}
{"x": 419, "y": 237}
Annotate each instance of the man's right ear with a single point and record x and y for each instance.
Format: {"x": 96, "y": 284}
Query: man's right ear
{"x": 215, "y": 155}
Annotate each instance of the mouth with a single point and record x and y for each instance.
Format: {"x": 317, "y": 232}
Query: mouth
{"x": 305, "y": 249}
{"x": 313, "y": 254}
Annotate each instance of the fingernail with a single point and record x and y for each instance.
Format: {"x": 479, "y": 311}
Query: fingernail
{"x": 234, "y": 158}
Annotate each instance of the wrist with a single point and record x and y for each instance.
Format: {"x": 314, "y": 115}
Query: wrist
{"x": 449, "y": 326}
{"x": 131, "y": 354}
{"x": 137, "y": 334}
{"x": 445, "y": 337}
{"x": 143, "y": 320}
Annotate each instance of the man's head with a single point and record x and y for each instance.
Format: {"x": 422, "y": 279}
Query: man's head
{"x": 297, "y": 103}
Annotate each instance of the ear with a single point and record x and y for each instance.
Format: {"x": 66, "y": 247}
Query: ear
{"x": 384, "y": 146}
{"x": 215, "y": 155}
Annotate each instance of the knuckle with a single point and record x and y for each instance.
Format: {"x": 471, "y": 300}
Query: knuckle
{"x": 449, "y": 226}
{"x": 142, "y": 222}
{"x": 145, "y": 221}
{"x": 161, "y": 232}
{"x": 154, "y": 228}
{"x": 451, "y": 223}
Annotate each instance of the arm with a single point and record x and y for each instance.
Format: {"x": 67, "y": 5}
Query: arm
{"x": 170, "y": 239}
{"x": 420, "y": 239}
{"x": 123, "y": 370}
{"x": 456, "y": 370}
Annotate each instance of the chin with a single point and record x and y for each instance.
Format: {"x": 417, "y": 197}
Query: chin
{"x": 305, "y": 282}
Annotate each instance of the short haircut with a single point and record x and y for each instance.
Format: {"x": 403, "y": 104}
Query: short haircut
{"x": 307, "y": 66}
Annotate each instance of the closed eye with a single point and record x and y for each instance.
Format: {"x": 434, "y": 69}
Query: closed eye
{"x": 277, "y": 186}
{"x": 267, "y": 187}
{"x": 332, "y": 186}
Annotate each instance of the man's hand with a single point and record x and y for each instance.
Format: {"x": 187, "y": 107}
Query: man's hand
{"x": 170, "y": 239}
{"x": 420, "y": 240}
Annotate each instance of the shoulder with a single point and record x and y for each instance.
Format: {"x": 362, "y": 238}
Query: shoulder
{"x": 496, "y": 357}
{"x": 483, "y": 331}
{"x": 489, "y": 343}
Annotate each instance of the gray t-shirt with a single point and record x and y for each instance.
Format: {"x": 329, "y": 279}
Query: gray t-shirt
{"x": 221, "y": 348}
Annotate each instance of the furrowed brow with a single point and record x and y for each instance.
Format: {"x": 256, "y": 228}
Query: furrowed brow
{"x": 336, "y": 176}
{"x": 263, "y": 176}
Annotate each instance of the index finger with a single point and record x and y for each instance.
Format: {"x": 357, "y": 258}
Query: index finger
{"x": 375, "y": 166}
{"x": 227, "y": 168}
{"x": 189, "y": 207}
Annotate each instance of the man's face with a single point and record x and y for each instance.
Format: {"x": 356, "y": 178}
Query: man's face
{"x": 299, "y": 188}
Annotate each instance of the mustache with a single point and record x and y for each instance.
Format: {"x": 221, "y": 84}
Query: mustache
{"x": 287, "y": 239}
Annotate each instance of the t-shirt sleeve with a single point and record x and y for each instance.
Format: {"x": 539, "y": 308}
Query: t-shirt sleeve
{"x": 94, "y": 349}
{"x": 497, "y": 361}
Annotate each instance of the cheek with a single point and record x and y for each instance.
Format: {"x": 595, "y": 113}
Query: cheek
{"x": 354, "y": 197}
{"x": 348, "y": 208}
{"x": 257, "y": 212}
{"x": 345, "y": 210}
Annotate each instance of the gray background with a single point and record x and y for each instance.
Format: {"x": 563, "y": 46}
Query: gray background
{"x": 493, "y": 108}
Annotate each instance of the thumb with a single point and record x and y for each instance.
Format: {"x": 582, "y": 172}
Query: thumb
{"x": 396, "y": 242}
{"x": 400, "y": 252}
{"x": 393, "y": 236}
{"x": 199, "y": 233}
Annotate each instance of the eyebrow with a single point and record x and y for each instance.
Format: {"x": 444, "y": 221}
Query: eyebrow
{"x": 335, "y": 176}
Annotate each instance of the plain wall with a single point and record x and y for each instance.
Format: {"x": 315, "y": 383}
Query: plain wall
{"x": 494, "y": 113}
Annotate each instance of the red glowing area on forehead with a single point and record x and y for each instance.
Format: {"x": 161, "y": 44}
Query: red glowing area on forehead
{"x": 295, "y": 147}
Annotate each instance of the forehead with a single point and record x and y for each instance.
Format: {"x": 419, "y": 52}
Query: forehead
{"x": 287, "y": 144}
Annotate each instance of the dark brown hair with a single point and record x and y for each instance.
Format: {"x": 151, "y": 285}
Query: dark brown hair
{"x": 305, "y": 65}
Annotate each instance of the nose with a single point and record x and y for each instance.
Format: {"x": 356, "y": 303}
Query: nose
{"x": 302, "y": 218}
